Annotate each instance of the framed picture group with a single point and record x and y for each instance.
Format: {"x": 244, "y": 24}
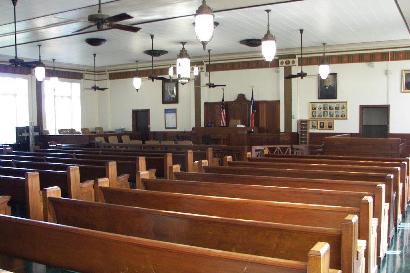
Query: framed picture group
{"x": 328, "y": 110}
{"x": 324, "y": 124}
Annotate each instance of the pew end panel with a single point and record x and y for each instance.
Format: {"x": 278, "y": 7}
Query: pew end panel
{"x": 319, "y": 258}
{"x": 353, "y": 259}
{"x": 4, "y": 206}
{"x": 174, "y": 169}
{"x": 33, "y": 196}
{"x": 368, "y": 233}
{"x": 73, "y": 181}
{"x": 101, "y": 182}
{"x": 48, "y": 209}
{"x": 167, "y": 163}
{"x": 189, "y": 161}
{"x": 140, "y": 176}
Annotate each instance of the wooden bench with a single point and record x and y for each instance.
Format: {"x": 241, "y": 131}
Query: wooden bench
{"x": 279, "y": 212}
{"x": 376, "y": 190}
{"x": 68, "y": 180}
{"x": 395, "y": 171}
{"x": 402, "y": 163}
{"x": 24, "y": 193}
{"x": 119, "y": 172}
{"x": 95, "y": 251}
{"x": 4, "y": 204}
{"x": 391, "y": 195}
{"x": 160, "y": 163}
{"x": 87, "y": 172}
{"x": 262, "y": 238}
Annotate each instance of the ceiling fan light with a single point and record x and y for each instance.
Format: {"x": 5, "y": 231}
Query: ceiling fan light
{"x": 183, "y": 65}
{"x": 324, "y": 70}
{"x": 40, "y": 73}
{"x": 196, "y": 71}
{"x": 269, "y": 47}
{"x": 204, "y": 23}
{"x": 171, "y": 71}
{"x": 137, "y": 82}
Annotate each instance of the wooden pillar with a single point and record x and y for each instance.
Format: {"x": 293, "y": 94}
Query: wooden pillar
{"x": 288, "y": 100}
{"x": 198, "y": 106}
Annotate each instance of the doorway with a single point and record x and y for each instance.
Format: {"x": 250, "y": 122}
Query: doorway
{"x": 374, "y": 120}
{"x": 141, "y": 123}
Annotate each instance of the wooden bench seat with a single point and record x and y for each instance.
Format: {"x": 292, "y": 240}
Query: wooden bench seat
{"x": 24, "y": 193}
{"x": 117, "y": 253}
{"x": 269, "y": 211}
{"x": 262, "y": 238}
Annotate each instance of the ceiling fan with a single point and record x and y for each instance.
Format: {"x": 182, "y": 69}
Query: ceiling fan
{"x": 95, "y": 87}
{"x": 16, "y": 61}
{"x": 153, "y": 77}
{"x": 211, "y": 84}
{"x": 102, "y": 21}
{"x": 301, "y": 74}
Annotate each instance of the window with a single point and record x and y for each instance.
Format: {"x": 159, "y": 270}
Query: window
{"x": 62, "y": 106}
{"x": 13, "y": 107}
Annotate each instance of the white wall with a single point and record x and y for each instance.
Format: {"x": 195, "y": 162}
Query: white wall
{"x": 359, "y": 84}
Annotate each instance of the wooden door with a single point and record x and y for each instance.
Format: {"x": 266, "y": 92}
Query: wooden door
{"x": 374, "y": 120}
{"x": 141, "y": 122}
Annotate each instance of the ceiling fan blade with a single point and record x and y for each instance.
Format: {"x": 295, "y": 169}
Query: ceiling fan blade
{"x": 220, "y": 85}
{"x": 292, "y": 76}
{"x": 84, "y": 28}
{"x": 101, "y": 88}
{"x": 118, "y": 18}
{"x": 125, "y": 27}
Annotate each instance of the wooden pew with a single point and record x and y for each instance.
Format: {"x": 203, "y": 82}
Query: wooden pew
{"x": 268, "y": 211}
{"x": 262, "y": 238}
{"x": 327, "y": 196}
{"x": 68, "y": 181}
{"x": 160, "y": 163}
{"x": 24, "y": 192}
{"x": 392, "y": 196}
{"x": 126, "y": 169}
{"x": 88, "y": 173}
{"x": 96, "y": 251}
{"x": 402, "y": 163}
{"x": 4, "y": 205}
{"x": 395, "y": 171}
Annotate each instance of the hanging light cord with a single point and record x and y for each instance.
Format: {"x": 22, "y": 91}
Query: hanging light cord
{"x": 268, "y": 12}
{"x": 15, "y": 29}
{"x": 39, "y": 53}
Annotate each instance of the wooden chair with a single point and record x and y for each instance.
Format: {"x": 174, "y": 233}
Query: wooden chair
{"x": 167, "y": 142}
{"x": 99, "y": 130}
{"x": 184, "y": 142}
{"x": 127, "y": 140}
{"x": 151, "y": 142}
{"x": 113, "y": 139}
{"x": 85, "y": 131}
{"x": 100, "y": 139}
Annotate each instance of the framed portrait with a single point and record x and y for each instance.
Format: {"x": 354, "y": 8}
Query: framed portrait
{"x": 170, "y": 92}
{"x": 170, "y": 117}
{"x": 328, "y": 110}
{"x": 313, "y": 124}
{"x": 330, "y": 125}
{"x": 328, "y": 87}
{"x": 405, "y": 81}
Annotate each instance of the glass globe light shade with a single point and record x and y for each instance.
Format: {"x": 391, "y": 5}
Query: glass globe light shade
{"x": 324, "y": 70}
{"x": 136, "y": 82}
{"x": 40, "y": 73}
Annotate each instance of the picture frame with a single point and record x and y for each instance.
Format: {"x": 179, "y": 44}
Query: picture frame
{"x": 405, "y": 81}
{"x": 328, "y": 87}
{"x": 170, "y": 118}
{"x": 170, "y": 92}
{"x": 336, "y": 110}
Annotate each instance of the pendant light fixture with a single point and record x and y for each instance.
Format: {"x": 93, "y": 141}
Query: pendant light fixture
{"x": 204, "y": 24}
{"x": 183, "y": 65}
{"x": 54, "y": 78}
{"x": 40, "y": 69}
{"x": 268, "y": 43}
{"x": 136, "y": 81}
{"x": 171, "y": 71}
{"x": 324, "y": 68}
{"x": 196, "y": 71}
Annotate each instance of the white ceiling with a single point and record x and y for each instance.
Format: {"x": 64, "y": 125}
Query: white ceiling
{"x": 335, "y": 22}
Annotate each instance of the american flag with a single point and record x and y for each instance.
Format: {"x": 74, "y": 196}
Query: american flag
{"x": 253, "y": 111}
{"x": 223, "y": 111}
